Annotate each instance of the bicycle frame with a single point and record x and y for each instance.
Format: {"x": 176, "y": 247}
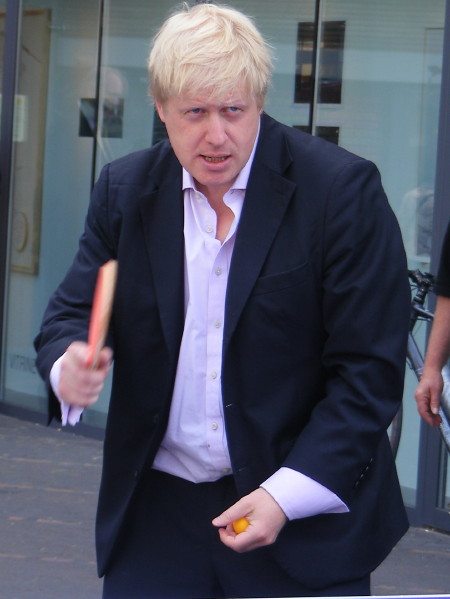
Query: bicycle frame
{"x": 414, "y": 356}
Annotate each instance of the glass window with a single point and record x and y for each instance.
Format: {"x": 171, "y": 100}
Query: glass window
{"x": 126, "y": 114}
{"x": 331, "y": 43}
{"x": 389, "y": 113}
{"x": 51, "y": 174}
{"x": 2, "y": 41}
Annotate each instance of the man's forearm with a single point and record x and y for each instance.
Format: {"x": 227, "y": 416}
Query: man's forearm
{"x": 438, "y": 349}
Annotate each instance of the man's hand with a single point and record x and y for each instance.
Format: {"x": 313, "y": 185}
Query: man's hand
{"x": 80, "y": 385}
{"x": 428, "y": 396}
{"x": 265, "y": 516}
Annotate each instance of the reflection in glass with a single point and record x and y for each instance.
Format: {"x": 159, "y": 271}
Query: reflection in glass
{"x": 50, "y": 176}
{"x": 331, "y": 59}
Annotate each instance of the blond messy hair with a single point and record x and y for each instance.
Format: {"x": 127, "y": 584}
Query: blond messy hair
{"x": 209, "y": 48}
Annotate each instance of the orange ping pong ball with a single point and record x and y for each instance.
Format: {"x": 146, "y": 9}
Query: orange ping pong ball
{"x": 240, "y": 525}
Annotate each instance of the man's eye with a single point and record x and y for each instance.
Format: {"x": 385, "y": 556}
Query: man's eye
{"x": 233, "y": 109}
{"x": 195, "y": 110}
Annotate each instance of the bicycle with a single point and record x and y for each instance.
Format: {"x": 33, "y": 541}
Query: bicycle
{"x": 422, "y": 283}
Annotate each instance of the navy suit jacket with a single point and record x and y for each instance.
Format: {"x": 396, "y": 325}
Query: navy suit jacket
{"x": 314, "y": 344}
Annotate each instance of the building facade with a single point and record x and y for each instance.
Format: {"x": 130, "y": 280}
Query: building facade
{"x": 373, "y": 77}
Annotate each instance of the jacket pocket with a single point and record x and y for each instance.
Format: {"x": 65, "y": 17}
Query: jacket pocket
{"x": 282, "y": 280}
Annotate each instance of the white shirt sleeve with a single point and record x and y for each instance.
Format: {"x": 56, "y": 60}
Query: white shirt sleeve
{"x": 299, "y": 496}
{"x": 69, "y": 414}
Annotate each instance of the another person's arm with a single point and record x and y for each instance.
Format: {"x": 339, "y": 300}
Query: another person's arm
{"x": 428, "y": 392}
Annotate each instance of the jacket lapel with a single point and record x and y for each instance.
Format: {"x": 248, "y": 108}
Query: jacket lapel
{"x": 267, "y": 198}
{"x": 163, "y": 220}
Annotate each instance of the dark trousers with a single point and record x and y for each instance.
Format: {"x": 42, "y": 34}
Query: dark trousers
{"x": 170, "y": 550}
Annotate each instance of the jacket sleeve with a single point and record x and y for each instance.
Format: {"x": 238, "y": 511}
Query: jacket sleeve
{"x": 365, "y": 307}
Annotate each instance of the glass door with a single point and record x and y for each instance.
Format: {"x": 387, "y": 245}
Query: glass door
{"x": 434, "y": 471}
{"x": 51, "y": 174}
{"x": 380, "y": 68}
{"x": 126, "y": 115}
{"x": 2, "y": 43}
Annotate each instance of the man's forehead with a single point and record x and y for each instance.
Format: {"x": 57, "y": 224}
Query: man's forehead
{"x": 211, "y": 96}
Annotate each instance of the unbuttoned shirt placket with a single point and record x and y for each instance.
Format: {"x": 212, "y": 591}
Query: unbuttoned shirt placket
{"x": 218, "y": 261}
{"x": 195, "y": 445}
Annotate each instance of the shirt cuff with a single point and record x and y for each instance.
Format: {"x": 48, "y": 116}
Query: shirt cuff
{"x": 69, "y": 414}
{"x": 299, "y": 496}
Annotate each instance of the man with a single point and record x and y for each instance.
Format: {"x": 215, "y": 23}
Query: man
{"x": 429, "y": 390}
{"x": 259, "y": 335}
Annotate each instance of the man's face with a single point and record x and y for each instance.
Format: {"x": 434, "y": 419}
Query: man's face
{"x": 213, "y": 139}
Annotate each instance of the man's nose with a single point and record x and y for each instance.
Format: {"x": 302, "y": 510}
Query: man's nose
{"x": 215, "y": 132}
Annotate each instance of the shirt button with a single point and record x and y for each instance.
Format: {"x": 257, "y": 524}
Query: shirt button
{"x": 214, "y": 374}
{"x": 214, "y": 426}
{"x": 225, "y": 470}
{"x": 217, "y": 324}
{"x": 209, "y": 229}
{"x": 218, "y": 271}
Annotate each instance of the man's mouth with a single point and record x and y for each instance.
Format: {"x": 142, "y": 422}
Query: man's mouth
{"x": 215, "y": 159}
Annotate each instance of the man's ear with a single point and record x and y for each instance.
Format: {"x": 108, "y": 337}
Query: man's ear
{"x": 160, "y": 111}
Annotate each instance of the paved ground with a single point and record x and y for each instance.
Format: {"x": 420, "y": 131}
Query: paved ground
{"x": 48, "y": 492}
